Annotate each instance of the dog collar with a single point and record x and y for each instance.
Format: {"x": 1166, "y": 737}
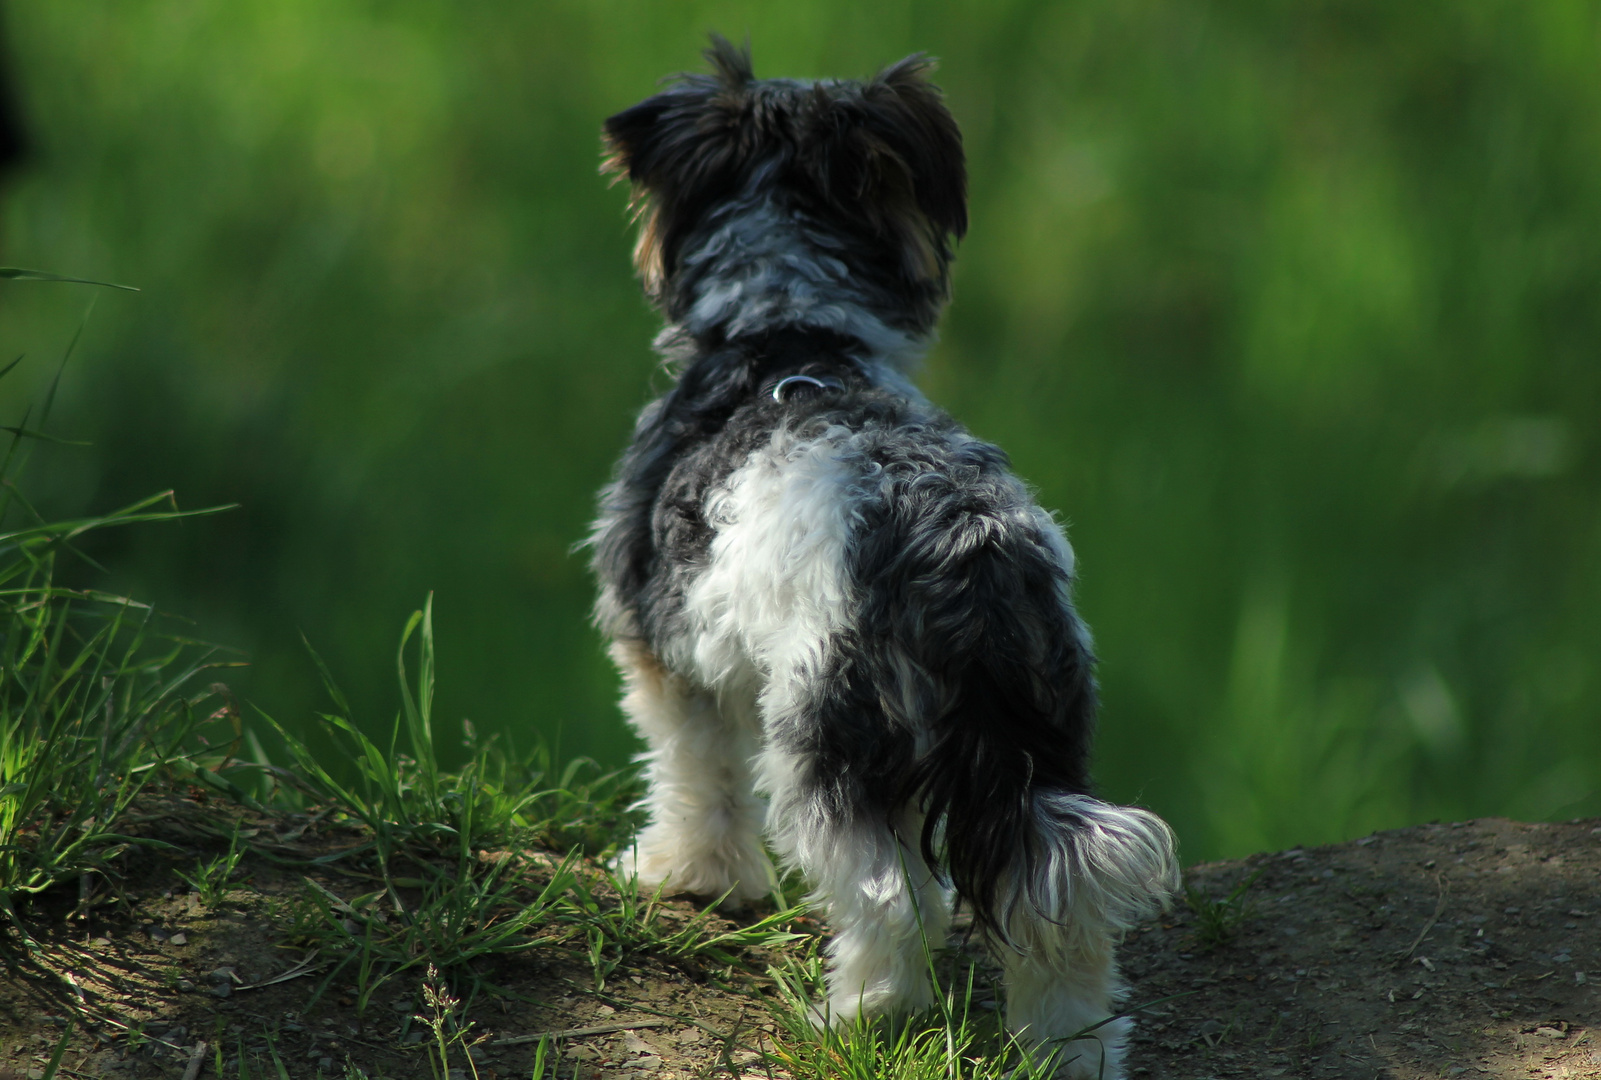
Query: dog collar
{"x": 789, "y": 382}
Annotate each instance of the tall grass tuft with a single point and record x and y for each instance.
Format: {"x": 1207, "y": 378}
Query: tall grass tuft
{"x": 458, "y": 858}
{"x": 99, "y": 696}
{"x": 400, "y": 792}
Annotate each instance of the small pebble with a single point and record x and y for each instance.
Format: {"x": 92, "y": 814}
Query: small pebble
{"x": 180, "y": 938}
{"x": 221, "y": 990}
{"x": 185, "y": 985}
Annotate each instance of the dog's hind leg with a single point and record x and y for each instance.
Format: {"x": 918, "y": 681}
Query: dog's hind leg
{"x": 704, "y": 831}
{"x": 887, "y": 909}
{"x": 1099, "y": 870}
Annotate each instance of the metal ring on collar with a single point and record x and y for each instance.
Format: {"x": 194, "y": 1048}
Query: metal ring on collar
{"x": 789, "y": 381}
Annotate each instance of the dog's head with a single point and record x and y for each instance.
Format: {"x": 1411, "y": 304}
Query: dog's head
{"x": 871, "y": 173}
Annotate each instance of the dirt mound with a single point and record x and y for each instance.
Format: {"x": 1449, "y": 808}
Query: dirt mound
{"x": 1433, "y": 951}
{"x": 1438, "y": 950}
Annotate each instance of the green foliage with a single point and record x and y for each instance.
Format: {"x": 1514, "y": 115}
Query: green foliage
{"x": 1289, "y": 309}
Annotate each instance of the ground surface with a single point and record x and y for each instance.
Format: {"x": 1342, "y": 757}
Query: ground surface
{"x": 1438, "y": 950}
{"x": 1433, "y": 951}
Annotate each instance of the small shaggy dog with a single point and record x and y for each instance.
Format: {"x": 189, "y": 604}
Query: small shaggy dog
{"x": 844, "y": 625}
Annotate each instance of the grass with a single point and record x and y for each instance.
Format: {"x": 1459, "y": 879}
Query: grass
{"x": 1218, "y": 921}
{"x": 450, "y": 1028}
{"x": 618, "y": 921}
{"x": 446, "y": 853}
{"x": 211, "y": 877}
{"x": 100, "y": 696}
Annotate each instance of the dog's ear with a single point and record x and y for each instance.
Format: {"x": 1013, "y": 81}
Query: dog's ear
{"x": 891, "y": 156}
{"x": 681, "y": 149}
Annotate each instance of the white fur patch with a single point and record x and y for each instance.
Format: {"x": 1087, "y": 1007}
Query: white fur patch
{"x": 776, "y": 588}
{"x": 1063, "y": 1011}
{"x": 704, "y": 833}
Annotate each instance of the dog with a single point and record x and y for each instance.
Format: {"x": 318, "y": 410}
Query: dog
{"x": 843, "y": 625}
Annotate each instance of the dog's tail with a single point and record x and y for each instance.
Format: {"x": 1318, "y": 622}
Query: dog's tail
{"x": 1003, "y": 781}
{"x": 1039, "y": 864}
{"x": 1088, "y": 866}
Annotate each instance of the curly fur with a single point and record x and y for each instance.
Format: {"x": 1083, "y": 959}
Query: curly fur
{"x": 843, "y": 623}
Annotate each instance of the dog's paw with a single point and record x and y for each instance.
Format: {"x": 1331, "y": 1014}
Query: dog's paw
{"x": 887, "y": 1000}
{"x": 705, "y": 881}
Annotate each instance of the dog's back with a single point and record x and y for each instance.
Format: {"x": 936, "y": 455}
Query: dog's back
{"x": 821, "y": 589}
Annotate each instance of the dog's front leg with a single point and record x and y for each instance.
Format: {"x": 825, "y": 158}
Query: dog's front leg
{"x": 704, "y": 832}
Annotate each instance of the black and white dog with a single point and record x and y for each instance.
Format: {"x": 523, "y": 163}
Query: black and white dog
{"x": 844, "y": 625}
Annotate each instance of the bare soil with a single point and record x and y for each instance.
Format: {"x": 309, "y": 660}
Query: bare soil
{"x": 1433, "y": 951}
{"x": 1469, "y": 950}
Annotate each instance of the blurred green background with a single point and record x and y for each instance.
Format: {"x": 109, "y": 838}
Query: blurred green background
{"x": 1292, "y": 309}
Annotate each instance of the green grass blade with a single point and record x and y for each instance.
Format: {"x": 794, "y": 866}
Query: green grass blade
{"x": 17, "y": 273}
